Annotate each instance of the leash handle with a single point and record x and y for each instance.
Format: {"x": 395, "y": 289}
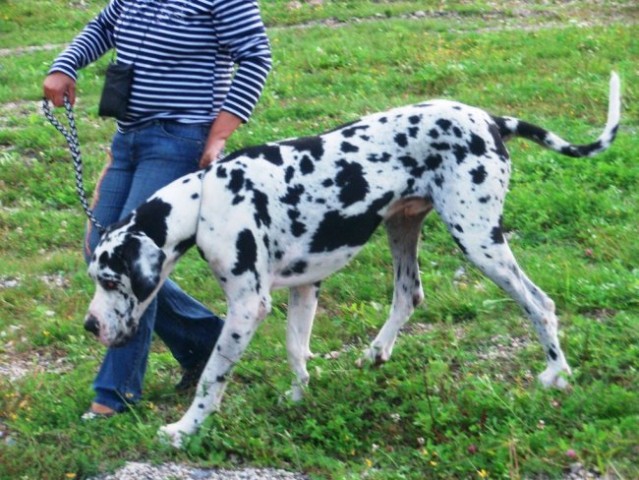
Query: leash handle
{"x": 71, "y": 137}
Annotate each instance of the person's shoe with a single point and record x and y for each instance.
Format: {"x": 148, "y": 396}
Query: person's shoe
{"x": 98, "y": 411}
{"x": 190, "y": 377}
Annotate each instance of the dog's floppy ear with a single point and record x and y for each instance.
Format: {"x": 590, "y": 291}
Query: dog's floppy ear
{"x": 144, "y": 260}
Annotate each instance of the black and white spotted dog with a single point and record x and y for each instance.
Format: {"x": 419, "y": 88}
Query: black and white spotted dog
{"x": 290, "y": 213}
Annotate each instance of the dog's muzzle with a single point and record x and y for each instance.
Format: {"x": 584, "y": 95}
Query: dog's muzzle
{"x": 92, "y": 325}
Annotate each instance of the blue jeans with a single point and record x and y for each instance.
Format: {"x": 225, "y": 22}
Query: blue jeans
{"x": 145, "y": 159}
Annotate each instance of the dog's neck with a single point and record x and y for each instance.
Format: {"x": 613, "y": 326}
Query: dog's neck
{"x": 172, "y": 229}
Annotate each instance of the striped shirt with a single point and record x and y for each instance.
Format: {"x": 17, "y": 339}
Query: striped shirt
{"x": 184, "y": 52}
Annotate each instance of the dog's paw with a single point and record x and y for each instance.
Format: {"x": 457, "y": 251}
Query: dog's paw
{"x": 374, "y": 355}
{"x": 173, "y": 435}
{"x": 553, "y": 377}
{"x": 295, "y": 394}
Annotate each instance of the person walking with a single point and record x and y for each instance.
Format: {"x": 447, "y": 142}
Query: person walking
{"x": 198, "y": 70}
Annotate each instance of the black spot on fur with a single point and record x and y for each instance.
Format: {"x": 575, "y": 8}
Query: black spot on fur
{"x": 297, "y": 268}
{"x": 246, "y": 249}
{"x": 375, "y": 158}
{"x": 288, "y": 176}
{"x": 479, "y": 174}
{"x": 260, "y": 201}
{"x": 433, "y": 161}
{"x": 460, "y": 153}
{"x": 220, "y": 172}
{"x": 313, "y": 145}
{"x": 195, "y": 196}
{"x": 306, "y": 165}
{"x": 440, "y": 146}
{"x": 297, "y": 228}
{"x": 500, "y": 147}
{"x": 477, "y": 145}
{"x": 530, "y": 131}
{"x": 410, "y": 184}
{"x": 413, "y": 131}
{"x": 411, "y": 165}
{"x": 237, "y": 181}
{"x": 497, "y": 233}
{"x": 349, "y": 148}
{"x": 104, "y": 261}
{"x": 336, "y": 231}
{"x": 151, "y": 218}
{"x": 433, "y": 133}
{"x": 484, "y": 199}
{"x": 270, "y": 153}
{"x": 414, "y": 119}
{"x": 460, "y": 245}
{"x": 293, "y": 195}
{"x": 353, "y": 185}
{"x": 182, "y": 247}
{"x": 350, "y": 132}
{"x": 444, "y": 124}
{"x": 401, "y": 139}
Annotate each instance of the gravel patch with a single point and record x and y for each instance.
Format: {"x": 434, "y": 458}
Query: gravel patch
{"x": 15, "y": 366}
{"x": 173, "y": 471}
{"x": 503, "y": 347}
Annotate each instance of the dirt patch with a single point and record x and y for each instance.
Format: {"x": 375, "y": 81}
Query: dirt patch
{"x": 137, "y": 471}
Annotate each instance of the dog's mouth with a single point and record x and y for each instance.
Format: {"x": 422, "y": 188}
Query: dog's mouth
{"x": 93, "y": 325}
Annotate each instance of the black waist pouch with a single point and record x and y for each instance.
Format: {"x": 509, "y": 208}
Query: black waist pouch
{"x": 116, "y": 91}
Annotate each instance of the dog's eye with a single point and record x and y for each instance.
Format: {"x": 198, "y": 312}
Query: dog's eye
{"x": 109, "y": 285}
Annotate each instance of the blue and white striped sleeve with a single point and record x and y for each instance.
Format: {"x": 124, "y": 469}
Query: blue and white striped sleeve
{"x": 241, "y": 31}
{"x": 93, "y": 42}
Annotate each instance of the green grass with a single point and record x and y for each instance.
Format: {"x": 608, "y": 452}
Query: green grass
{"x": 459, "y": 397}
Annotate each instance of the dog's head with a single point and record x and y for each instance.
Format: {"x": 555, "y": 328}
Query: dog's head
{"x": 127, "y": 270}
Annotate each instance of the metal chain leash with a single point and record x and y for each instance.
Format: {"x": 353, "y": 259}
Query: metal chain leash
{"x": 71, "y": 137}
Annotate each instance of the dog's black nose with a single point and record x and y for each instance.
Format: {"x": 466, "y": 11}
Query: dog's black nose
{"x": 92, "y": 325}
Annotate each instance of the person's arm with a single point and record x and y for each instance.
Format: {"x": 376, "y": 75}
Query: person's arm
{"x": 93, "y": 42}
{"x": 223, "y": 127}
{"x": 242, "y": 32}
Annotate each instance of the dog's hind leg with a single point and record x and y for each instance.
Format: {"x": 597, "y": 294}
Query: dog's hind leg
{"x": 403, "y": 232}
{"x": 484, "y": 245}
{"x": 245, "y": 312}
{"x": 302, "y": 304}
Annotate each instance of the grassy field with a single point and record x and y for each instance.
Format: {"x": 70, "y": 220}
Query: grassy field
{"x": 459, "y": 397}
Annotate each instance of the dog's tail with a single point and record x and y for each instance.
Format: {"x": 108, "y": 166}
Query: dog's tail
{"x": 513, "y": 127}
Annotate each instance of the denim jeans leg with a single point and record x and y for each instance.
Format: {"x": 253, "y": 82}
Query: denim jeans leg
{"x": 186, "y": 326}
{"x": 145, "y": 160}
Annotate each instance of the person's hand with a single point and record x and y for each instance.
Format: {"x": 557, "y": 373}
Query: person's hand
{"x": 223, "y": 127}
{"x": 213, "y": 150}
{"x": 56, "y": 85}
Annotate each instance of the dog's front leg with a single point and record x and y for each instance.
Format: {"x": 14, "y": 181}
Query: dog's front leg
{"x": 302, "y": 303}
{"x": 243, "y": 318}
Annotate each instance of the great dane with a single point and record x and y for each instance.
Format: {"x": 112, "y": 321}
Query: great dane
{"x": 290, "y": 213}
